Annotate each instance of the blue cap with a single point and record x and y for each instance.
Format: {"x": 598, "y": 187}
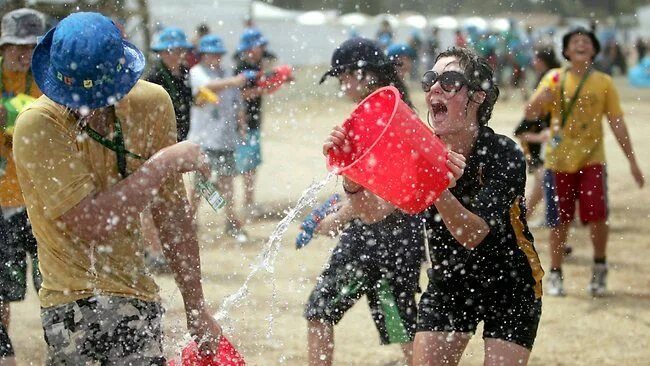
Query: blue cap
{"x": 400, "y": 49}
{"x": 171, "y": 38}
{"x": 85, "y": 62}
{"x": 211, "y": 44}
{"x": 250, "y": 39}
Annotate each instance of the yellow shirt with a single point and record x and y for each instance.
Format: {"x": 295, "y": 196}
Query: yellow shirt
{"x": 580, "y": 142}
{"x": 59, "y": 166}
{"x": 10, "y": 194}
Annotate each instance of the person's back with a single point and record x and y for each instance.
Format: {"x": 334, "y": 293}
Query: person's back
{"x": 96, "y": 150}
{"x": 75, "y": 268}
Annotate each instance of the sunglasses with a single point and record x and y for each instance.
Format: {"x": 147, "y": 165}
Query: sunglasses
{"x": 450, "y": 81}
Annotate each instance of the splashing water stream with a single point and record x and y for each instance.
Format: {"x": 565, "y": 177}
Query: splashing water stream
{"x": 266, "y": 258}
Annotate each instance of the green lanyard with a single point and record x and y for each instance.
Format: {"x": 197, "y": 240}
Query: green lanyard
{"x": 116, "y": 145}
{"x": 28, "y": 80}
{"x": 566, "y": 112}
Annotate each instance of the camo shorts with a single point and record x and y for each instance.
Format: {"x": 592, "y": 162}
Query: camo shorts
{"x": 104, "y": 330}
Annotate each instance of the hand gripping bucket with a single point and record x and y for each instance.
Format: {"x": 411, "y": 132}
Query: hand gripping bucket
{"x": 393, "y": 153}
{"x": 226, "y": 355}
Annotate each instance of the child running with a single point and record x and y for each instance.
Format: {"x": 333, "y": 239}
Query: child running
{"x": 485, "y": 267}
{"x": 381, "y": 249}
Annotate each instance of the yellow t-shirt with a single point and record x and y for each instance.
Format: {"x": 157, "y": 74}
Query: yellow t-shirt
{"x": 580, "y": 142}
{"x": 59, "y": 165}
{"x": 10, "y": 195}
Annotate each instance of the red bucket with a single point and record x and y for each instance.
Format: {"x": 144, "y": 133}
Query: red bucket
{"x": 393, "y": 153}
{"x": 226, "y": 355}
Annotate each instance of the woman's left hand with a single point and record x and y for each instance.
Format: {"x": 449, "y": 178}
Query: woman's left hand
{"x": 456, "y": 165}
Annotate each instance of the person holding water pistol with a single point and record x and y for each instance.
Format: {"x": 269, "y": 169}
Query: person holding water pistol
{"x": 91, "y": 154}
{"x": 484, "y": 264}
{"x": 380, "y": 250}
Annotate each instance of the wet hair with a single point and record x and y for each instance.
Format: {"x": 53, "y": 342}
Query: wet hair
{"x": 480, "y": 77}
{"x": 546, "y": 54}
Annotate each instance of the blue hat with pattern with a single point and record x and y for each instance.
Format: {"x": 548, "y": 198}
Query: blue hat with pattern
{"x": 250, "y": 39}
{"x": 211, "y": 44}
{"x": 171, "y": 38}
{"x": 400, "y": 49}
{"x": 85, "y": 62}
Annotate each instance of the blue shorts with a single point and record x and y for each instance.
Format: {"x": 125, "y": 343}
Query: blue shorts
{"x": 249, "y": 154}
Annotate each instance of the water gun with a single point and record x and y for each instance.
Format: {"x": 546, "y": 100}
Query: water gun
{"x": 272, "y": 80}
{"x": 226, "y": 355}
{"x": 206, "y": 96}
{"x": 312, "y": 220}
{"x": 14, "y": 106}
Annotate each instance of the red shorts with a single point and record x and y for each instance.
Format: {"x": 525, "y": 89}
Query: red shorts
{"x": 588, "y": 186}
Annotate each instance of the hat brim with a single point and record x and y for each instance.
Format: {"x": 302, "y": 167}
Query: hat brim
{"x": 260, "y": 42}
{"x": 212, "y": 51}
{"x": 20, "y": 41}
{"x": 74, "y": 96}
{"x": 160, "y": 47}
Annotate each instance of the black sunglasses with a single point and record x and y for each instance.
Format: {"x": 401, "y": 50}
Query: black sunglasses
{"x": 450, "y": 81}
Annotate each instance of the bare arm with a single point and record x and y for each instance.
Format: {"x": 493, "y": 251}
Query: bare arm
{"x": 218, "y": 85}
{"x": 175, "y": 222}
{"x": 97, "y": 217}
{"x": 619, "y": 128}
{"x": 334, "y": 223}
{"x": 538, "y": 137}
{"x": 466, "y": 227}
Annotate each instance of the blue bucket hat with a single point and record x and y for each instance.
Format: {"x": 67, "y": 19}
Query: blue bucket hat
{"x": 170, "y": 38}
{"x": 251, "y": 38}
{"x": 211, "y": 44}
{"x": 400, "y": 49}
{"x": 85, "y": 62}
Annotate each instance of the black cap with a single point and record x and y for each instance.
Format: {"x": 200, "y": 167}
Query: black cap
{"x": 580, "y": 30}
{"x": 354, "y": 54}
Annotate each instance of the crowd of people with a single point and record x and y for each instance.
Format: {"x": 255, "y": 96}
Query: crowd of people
{"x": 99, "y": 175}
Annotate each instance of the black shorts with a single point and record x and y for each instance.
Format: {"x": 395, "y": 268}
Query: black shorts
{"x": 507, "y": 313}
{"x": 389, "y": 287}
{"x": 16, "y": 242}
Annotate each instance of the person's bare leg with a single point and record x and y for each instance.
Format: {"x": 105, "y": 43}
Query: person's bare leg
{"x": 8, "y": 361}
{"x": 557, "y": 241}
{"x": 407, "y": 349}
{"x": 5, "y": 313}
{"x": 501, "y": 353}
{"x": 536, "y": 193}
{"x": 599, "y": 234}
{"x": 439, "y": 348}
{"x": 249, "y": 189}
{"x": 320, "y": 339}
{"x": 225, "y": 187}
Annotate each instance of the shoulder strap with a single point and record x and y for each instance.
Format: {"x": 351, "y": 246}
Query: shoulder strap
{"x": 566, "y": 111}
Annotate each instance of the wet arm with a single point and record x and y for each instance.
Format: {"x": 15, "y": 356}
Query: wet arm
{"x": 466, "y": 227}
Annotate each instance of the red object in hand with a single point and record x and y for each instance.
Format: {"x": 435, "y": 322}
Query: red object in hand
{"x": 273, "y": 80}
{"x": 226, "y": 355}
{"x": 392, "y": 153}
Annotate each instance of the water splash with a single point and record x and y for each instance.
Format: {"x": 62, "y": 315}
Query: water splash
{"x": 266, "y": 258}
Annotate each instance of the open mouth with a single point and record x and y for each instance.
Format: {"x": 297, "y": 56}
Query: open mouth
{"x": 439, "y": 110}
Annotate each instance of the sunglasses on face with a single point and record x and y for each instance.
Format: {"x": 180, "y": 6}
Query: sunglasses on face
{"x": 450, "y": 81}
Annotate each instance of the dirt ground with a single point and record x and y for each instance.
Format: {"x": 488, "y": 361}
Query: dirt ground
{"x": 268, "y": 327}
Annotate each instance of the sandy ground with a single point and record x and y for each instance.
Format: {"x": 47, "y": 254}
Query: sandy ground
{"x": 268, "y": 327}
